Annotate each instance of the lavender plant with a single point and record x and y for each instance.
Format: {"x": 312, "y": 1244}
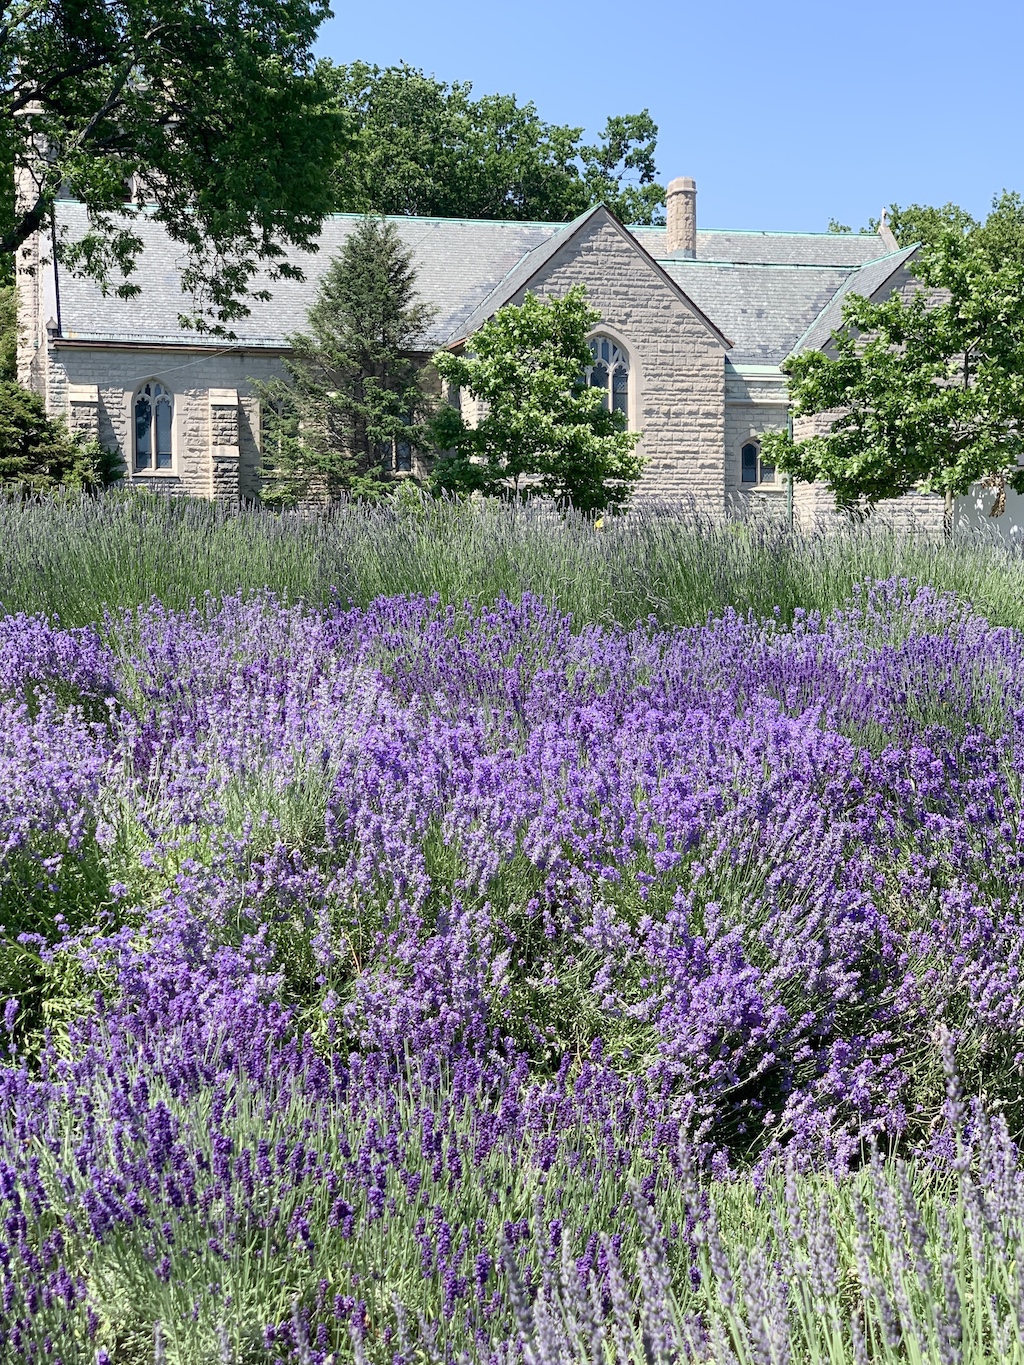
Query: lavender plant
{"x": 421, "y": 980}
{"x": 74, "y": 556}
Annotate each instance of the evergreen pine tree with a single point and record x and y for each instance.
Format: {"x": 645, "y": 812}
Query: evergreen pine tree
{"x": 353, "y": 396}
{"x": 38, "y": 453}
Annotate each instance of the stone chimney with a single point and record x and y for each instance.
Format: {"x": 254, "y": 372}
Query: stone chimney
{"x": 682, "y": 217}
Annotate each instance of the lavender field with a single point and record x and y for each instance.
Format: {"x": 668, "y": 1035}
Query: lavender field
{"x": 539, "y": 972}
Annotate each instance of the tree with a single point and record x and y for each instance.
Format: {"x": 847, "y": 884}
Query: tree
{"x": 543, "y": 432}
{"x": 210, "y": 112}
{"x": 928, "y": 391}
{"x": 627, "y": 149}
{"x": 352, "y": 400}
{"x": 916, "y": 224}
{"x": 8, "y": 332}
{"x": 37, "y": 452}
{"x": 922, "y": 223}
{"x": 420, "y": 146}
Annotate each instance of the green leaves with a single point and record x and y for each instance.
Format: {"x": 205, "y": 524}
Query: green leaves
{"x": 928, "y": 391}
{"x": 8, "y": 332}
{"x": 212, "y": 114}
{"x": 543, "y": 432}
{"x": 37, "y": 452}
{"x": 420, "y": 146}
{"x": 626, "y": 153}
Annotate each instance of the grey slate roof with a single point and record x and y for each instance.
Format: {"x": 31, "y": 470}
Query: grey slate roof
{"x": 763, "y": 309}
{"x": 766, "y": 292}
{"x": 866, "y": 281}
{"x": 458, "y": 264}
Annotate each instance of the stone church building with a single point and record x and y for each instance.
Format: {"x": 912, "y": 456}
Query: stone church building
{"x": 695, "y": 325}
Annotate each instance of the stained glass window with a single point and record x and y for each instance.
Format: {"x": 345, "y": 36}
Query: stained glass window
{"x": 749, "y": 455}
{"x": 154, "y": 420}
{"x": 609, "y": 372}
{"x": 620, "y": 389}
{"x": 753, "y": 469}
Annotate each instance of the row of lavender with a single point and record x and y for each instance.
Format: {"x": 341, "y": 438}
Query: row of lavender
{"x": 371, "y": 961}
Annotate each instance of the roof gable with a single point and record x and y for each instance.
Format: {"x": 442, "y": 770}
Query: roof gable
{"x": 527, "y": 270}
{"x": 869, "y": 280}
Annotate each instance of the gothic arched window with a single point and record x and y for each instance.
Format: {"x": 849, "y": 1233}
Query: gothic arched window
{"x": 153, "y": 411}
{"x": 609, "y": 371}
{"x": 752, "y": 468}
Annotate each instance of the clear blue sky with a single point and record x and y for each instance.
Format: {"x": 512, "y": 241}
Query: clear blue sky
{"x": 787, "y": 114}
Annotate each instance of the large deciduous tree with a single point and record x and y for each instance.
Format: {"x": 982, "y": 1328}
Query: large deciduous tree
{"x": 421, "y": 146}
{"x": 352, "y": 402}
{"x": 210, "y": 112}
{"x": 927, "y": 390}
{"x": 542, "y": 431}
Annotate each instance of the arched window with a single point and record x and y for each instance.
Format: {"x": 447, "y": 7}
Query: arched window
{"x": 752, "y": 468}
{"x": 154, "y": 420}
{"x": 609, "y": 372}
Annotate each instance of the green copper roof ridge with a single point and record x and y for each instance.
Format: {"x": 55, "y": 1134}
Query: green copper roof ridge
{"x": 848, "y": 266}
{"x": 757, "y": 232}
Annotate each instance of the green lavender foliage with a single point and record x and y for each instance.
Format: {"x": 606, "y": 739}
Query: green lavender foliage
{"x": 890, "y": 1265}
{"x": 73, "y": 556}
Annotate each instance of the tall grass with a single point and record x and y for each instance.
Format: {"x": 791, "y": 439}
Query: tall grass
{"x": 71, "y": 557}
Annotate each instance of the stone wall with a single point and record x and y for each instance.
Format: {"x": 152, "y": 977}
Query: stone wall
{"x": 37, "y": 296}
{"x": 216, "y": 415}
{"x": 756, "y": 401}
{"x": 677, "y": 371}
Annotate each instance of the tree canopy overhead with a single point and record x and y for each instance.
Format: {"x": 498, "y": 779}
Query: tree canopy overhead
{"x": 421, "y": 146}
{"x": 211, "y": 112}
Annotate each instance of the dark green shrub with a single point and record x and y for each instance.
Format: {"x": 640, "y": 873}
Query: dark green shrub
{"x": 37, "y": 452}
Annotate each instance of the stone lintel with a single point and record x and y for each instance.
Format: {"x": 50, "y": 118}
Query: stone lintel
{"x": 223, "y": 398}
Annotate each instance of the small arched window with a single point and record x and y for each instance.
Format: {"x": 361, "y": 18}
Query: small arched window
{"x": 154, "y": 421}
{"x": 609, "y": 372}
{"x": 752, "y": 468}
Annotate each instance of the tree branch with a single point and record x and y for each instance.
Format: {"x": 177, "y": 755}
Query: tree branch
{"x": 29, "y": 222}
